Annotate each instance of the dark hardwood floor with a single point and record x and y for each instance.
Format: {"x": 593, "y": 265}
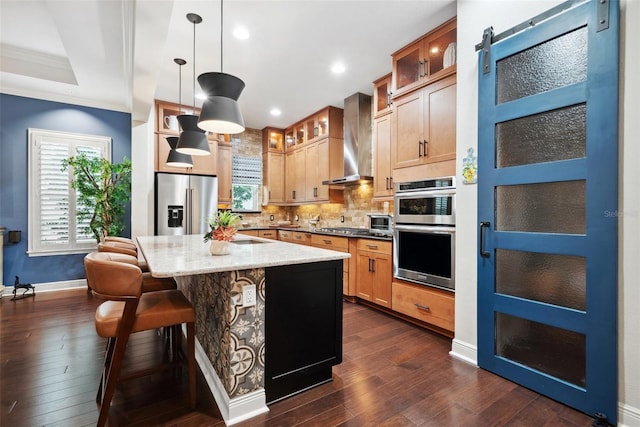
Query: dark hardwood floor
{"x": 393, "y": 374}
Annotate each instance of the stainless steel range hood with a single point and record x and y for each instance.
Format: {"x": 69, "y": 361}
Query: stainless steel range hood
{"x": 357, "y": 141}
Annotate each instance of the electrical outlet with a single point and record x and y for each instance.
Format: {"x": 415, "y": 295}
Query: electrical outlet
{"x": 341, "y": 218}
{"x": 270, "y": 217}
{"x": 248, "y": 295}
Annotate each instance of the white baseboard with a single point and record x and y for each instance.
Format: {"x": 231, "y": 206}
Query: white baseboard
{"x": 628, "y": 416}
{"x": 50, "y": 286}
{"x": 464, "y": 351}
{"x": 233, "y": 410}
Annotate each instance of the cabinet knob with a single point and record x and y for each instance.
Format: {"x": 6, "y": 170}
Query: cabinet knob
{"x": 419, "y": 148}
{"x": 424, "y": 150}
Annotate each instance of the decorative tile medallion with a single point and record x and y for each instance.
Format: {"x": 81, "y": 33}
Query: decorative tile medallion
{"x": 232, "y": 336}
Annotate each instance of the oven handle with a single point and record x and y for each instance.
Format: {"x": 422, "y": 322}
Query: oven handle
{"x": 440, "y": 229}
{"x": 483, "y": 225}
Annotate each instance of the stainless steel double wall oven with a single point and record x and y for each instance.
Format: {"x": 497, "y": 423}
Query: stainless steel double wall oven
{"x": 424, "y": 232}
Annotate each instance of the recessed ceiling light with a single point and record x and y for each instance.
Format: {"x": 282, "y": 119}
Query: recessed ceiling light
{"x": 241, "y": 33}
{"x": 338, "y": 68}
{"x": 275, "y": 112}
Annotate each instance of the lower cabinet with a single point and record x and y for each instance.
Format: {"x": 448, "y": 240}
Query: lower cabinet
{"x": 267, "y": 234}
{"x": 303, "y": 326}
{"x": 430, "y": 305}
{"x": 374, "y": 271}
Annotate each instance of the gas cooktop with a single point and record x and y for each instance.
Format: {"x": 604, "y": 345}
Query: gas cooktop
{"x": 351, "y": 231}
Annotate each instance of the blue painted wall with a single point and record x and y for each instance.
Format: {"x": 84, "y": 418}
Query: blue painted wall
{"x": 17, "y": 115}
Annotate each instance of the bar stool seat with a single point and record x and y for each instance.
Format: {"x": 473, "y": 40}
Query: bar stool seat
{"x": 128, "y": 310}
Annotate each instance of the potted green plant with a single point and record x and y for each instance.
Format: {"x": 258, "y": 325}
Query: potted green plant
{"x": 104, "y": 189}
{"x": 222, "y": 230}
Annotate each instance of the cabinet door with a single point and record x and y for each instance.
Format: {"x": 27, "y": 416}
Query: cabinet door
{"x": 440, "y": 127}
{"x": 364, "y": 277}
{"x": 206, "y": 165}
{"x": 273, "y": 169}
{"x": 312, "y": 172}
{"x": 408, "y": 128}
{"x": 382, "y": 277}
{"x": 382, "y": 96}
{"x": 383, "y": 183}
{"x": 224, "y": 173}
{"x": 290, "y": 176}
{"x": 408, "y": 67}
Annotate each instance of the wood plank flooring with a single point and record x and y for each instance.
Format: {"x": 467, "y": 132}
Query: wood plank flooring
{"x": 393, "y": 374}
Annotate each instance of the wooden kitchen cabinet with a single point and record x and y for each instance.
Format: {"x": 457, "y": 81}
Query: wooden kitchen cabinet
{"x": 425, "y": 60}
{"x": 382, "y": 96}
{"x": 424, "y": 125}
{"x": 430, "y": 305}
{"x": 299, "y": 237}
{"x": 383, "y": 176}
{"x": 273, "y": 176}
{"x": 273, "y": 169}
{"x": 202, "y": 165}
{"x": 224, "y": 173}
{"x": 374, "y": 271}
{"x": 295, "y": 175}
{"x": 324, "y": 123}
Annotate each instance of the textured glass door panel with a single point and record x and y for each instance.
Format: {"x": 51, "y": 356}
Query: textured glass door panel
{"x": 549, "y": 278}
{"x": 546, "y": 137}
{"x": 548, "y": 349}
{"x": 553, "y": 64}
{"x": 551, "y": 207}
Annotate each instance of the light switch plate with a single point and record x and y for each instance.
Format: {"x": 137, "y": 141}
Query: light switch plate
{"x": 248, "y": 295}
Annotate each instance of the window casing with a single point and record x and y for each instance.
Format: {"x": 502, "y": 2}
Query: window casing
{"x": 53, "y": 227}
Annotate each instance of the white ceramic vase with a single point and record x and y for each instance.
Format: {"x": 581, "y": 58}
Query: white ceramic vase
{"x": 219, "y": 247}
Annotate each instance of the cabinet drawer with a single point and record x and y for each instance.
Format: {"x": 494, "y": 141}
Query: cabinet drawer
{"x": 285, "y": 235}
{"x": 301, "y": 238}
{"x": 330, "y": 242}
{"x": 423, "y": 303}
{"x": 372, "y": 245}
{"x": 249, "y": 232}
{"x": 268, "y": 234}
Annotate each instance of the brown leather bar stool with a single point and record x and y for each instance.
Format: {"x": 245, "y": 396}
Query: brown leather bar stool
{"x": 149, "y": 283}
{"x": 120, "y": 246}
{"x": 127, "y": 311}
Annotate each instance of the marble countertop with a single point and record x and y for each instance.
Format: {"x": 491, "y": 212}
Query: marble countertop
{"x": 170, "y": 256}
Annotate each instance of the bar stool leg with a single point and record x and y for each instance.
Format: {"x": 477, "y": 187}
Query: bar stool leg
{"x": 191, "y": 360}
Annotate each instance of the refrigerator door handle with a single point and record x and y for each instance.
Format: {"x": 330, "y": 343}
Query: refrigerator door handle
{"x": 187, "y": 208}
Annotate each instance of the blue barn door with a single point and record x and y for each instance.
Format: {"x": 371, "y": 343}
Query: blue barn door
{"x": 547, "y": 191}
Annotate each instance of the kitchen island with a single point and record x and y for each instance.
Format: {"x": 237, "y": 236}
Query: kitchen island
{"x": 253, "y": 353}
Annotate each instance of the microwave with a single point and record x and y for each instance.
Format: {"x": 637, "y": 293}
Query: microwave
{"x": 380, "y": 224}
{"x": 429, "y": 202}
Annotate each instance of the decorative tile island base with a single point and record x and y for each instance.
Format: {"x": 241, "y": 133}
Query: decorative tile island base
{"x": 285, "y": 343}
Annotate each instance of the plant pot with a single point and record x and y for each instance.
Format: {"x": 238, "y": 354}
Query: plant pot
{"x": 219, "y": 247}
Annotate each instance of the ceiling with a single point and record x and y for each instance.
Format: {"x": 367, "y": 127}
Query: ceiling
{"x": 118, "y": 54}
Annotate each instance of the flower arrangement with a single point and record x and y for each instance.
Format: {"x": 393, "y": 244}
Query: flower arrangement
{"x": 222, "y": 226}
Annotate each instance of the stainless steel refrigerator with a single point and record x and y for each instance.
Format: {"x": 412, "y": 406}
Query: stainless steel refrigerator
{"x": 184, "y": 202}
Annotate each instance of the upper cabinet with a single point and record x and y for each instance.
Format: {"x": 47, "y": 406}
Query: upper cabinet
{"x": 424, "y": 125}
{"x": 427, "y": 59}
{"x": 382, "y": 96}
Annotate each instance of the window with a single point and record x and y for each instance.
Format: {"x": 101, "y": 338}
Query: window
{"x": 53, "y": 227}
{"x": 246, "y": 180}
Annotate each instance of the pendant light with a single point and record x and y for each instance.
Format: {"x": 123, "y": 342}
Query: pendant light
{"x": 192, "y": 140}
{"x": 176, "y": 159}
{"x": 220, "y": 111}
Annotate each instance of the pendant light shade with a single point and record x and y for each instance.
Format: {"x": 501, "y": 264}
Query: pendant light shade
{"x": 175, "y": 159}
{"x": 193, "y": 140}
{"x": 220, "y": 111}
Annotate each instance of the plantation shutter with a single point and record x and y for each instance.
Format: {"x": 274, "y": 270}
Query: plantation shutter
{"x": 53, "y": 224}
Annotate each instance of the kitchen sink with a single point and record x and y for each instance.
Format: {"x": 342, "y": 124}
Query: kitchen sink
{"x": 247, "y": 242}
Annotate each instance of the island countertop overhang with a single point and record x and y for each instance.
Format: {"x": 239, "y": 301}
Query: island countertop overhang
{"x": 172, "y": 256}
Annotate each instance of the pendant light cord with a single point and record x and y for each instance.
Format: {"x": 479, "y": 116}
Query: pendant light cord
{"x": 180, "y": 89}
{"x": 194, "y": 67}
{"x": 221, "y": 32}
